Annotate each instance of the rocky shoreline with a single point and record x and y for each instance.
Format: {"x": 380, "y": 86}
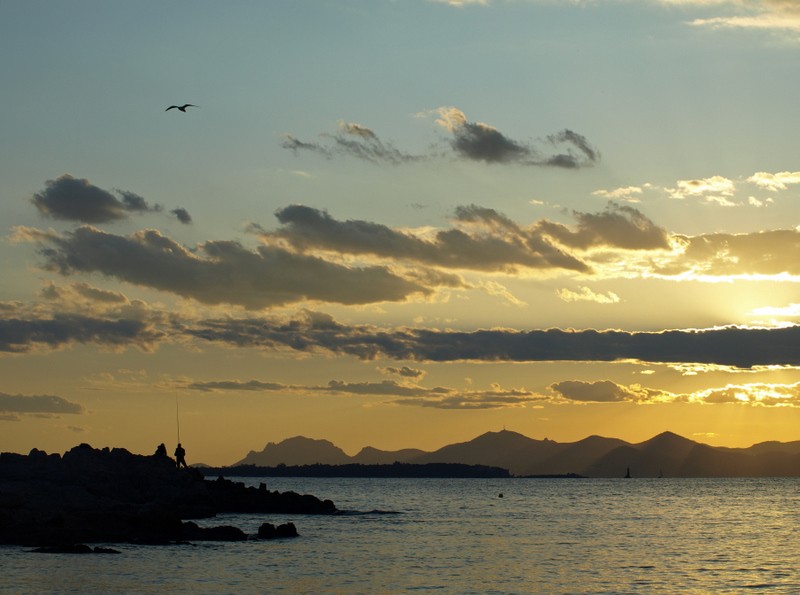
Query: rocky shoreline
{"x": 107, "y": 495}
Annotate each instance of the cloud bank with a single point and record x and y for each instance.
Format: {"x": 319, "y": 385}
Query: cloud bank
{"x": 471, "y": 141}
{"x": 732, "y": 346}
{"x": 575, "y": 392}
{"x": 120, "y": 326}
{"x": 14, "y": 404}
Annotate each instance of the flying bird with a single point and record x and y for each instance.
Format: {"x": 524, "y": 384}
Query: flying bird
{"x": 181, "y": 107}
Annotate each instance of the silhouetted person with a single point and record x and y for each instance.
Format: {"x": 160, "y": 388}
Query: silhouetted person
{"x": 161, "y": 450}
{"x": 180, "y": 455}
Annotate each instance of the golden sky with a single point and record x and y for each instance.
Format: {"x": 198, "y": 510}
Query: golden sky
{"x": 398, "y": 225}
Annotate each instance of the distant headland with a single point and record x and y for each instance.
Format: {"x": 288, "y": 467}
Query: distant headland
{"x": 665, "y": 455}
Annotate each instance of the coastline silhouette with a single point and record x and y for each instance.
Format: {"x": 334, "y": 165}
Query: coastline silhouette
{"x": 665, "y": 455}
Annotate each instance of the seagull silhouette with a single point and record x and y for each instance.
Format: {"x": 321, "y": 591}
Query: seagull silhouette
{"x": 181, "y": 107}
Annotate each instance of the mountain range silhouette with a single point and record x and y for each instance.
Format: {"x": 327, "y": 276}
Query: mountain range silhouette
{"x": 667, "y": 455}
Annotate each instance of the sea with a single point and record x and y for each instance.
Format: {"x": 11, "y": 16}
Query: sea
{"x": 469, "y": 536}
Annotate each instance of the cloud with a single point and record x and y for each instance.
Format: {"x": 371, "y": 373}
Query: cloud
{"x": 775, "y": 182}
{"x": 473, "y": 141}
{"x": 236, "y": 385}
{"x": 605, "y": 391}
{"x": 619, "y": 226}
{"x": 584, "y": 294}
{"x": 219, "y": 272}
{"x": 99, "y": 295}
{"x": 770, "y": 15}
{"x": 495, "y": 398}
{"x": 401, "y": 393}
{"x": 713, "y": 187}
{"x": 758, "y": 394}
{"x": 315, "y": 332}
{"x": 462, "y": 3}
{"x": 776, "y": 15}
{"x": 13, "y": 404}
{"x": 628, "y": 193}
{"x": 485, "y": 240}
{"x": 560, "y": 393}
{"x": 74, "y": 199}
{"x": 405, "y": 372}
{"x": 382, "y": 388}
{"x": 774, "y": 253}
{"x": 182, "y": 215}
{"x": 481, "y": 142}
{"x": 790, "y": 311}
{"x": 20, "y": 335}
{"x": 353, "y": 140}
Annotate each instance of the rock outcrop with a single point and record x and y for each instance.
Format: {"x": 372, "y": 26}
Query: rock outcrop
{"x": 93, "y": 495}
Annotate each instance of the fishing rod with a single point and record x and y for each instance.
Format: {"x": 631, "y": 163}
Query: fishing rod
{"x": 177, "y": 418}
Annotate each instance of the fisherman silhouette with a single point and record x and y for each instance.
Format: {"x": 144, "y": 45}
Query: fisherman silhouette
{"x": 179, "y": 456}
{"x": 161, "y": 450}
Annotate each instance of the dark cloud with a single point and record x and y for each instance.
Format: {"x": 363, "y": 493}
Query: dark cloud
{"x": 182, "y": 215}
{"x": 618, "y": 226}
{"x": 37, "y": 404}
{"x": 293, "y": 144}
{"x": 405, "y": 372}
{"x": 251, "y": 385}
{"x": 605, "y": 391}
{"x": 221, "y": 271}
{"x": 733, "y": 346}
{"x": 316, "y": 332}
{"x": 385, "y": 388}
{"x": 407, "y": 394}
{"x": 20, "y": 335}
{"x": 579, "y": 152}
{"x": 481, "y": 142}
{"x": 488, "y": 241}
{"x": 134, "y": 202}
{"x": 497, "y": 398}
{"x": 99, "y": 295}
{"x": 75, "y": 199}
{"x": 473, "y": 141}
{"x": 353, "y": 140}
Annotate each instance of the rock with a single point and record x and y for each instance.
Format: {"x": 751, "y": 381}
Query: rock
{"x": 110, "y": 495}
{"x": 270, "y": 531}
{"x": 78, "y": 548}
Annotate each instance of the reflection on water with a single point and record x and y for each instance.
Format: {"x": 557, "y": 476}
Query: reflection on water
{"x": 559, "y": 536}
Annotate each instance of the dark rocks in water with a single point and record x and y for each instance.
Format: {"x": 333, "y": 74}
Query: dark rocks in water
{"x": 231, "y": 496}
{"x": 93, "y": 496}
{"x": 77, "y": 548}
{"x": 270, "y": 531}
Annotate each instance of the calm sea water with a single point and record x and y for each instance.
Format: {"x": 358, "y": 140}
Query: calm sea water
{"x": 460, "y": 536}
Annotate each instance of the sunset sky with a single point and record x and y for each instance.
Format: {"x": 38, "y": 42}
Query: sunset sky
{"x": 398, "y": 223}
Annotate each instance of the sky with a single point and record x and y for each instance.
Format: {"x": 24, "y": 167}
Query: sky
{"x": 397, "y": 224}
